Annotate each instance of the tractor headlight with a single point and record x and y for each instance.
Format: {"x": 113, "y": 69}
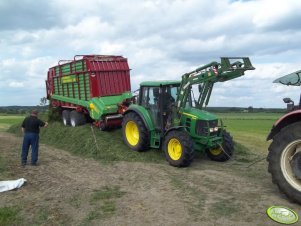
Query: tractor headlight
{"x": 214, "y": 129}
{"x": 205, "y": 128}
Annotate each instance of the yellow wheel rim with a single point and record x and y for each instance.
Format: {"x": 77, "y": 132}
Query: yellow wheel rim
{"x": 132, "y": 133}
{"x": 216, "y": 151}
{"x": 174, "y": 149}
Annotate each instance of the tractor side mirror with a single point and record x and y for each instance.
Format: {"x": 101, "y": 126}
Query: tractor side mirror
{"x": 290, "y": 105}
{"x": 287, "y": 100}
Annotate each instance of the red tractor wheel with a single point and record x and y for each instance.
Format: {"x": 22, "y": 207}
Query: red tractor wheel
{"x": 285, "y": 161}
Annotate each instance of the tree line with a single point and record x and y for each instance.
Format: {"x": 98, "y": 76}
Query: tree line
{"x": 22, "y": 110}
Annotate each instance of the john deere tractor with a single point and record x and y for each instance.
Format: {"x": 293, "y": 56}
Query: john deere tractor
{"x": 168, "y": 117}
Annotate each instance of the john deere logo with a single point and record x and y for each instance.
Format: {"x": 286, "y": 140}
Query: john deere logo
{"x": 282, "y": 215}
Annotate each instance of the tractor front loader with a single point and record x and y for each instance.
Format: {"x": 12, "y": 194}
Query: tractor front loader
{"x": 167, "y": 116}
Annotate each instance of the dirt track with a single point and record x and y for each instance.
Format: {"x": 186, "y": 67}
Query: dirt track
{"x": 60, "y": 191}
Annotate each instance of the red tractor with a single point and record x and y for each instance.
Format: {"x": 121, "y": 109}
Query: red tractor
{"x": 284, "y": 156}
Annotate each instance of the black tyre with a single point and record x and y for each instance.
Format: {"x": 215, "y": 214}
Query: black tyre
{"x": 103, "y": 126}
{"x": 134, "y": 132}
{"x": 284, "y": 160}
{"x": 66, "y": 117}
{"x": 77, "y": 118}
{"x": 224, "y": 153}
{"x": 178, "y": 148}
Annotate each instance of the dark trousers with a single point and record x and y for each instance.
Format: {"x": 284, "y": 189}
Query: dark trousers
{"x": 30, "y": 139}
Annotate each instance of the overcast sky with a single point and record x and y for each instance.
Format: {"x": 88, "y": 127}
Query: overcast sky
{"x": 161, "y": 39}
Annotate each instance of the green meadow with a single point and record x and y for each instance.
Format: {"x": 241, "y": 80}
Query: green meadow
{"x": 7, "y": 120}
{"x": 250, "y": 129}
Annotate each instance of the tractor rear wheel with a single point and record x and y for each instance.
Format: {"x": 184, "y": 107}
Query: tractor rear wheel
{"x": 224, "y": 153}
{"x": 66, "y": 117}
{"x": 134, "y": 132}
{"x": 77, "y": 118}
{"x": 284, "y": 160}
{"x": 178, "y": 148}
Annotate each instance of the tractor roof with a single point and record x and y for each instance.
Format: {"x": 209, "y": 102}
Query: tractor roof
{"x": 160, "y": 83}
{"x": 292, "y": 79}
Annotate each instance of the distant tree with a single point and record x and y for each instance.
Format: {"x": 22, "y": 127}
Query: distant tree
{"x": 43, "y": 101}
{"x": 22, "y": 112}
{"x": 250, "y": 109}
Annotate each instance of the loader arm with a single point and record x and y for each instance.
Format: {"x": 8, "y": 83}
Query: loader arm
{"x": 229, "y": 68}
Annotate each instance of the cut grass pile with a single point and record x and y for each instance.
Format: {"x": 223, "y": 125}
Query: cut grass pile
{"x": 249, "y": 131}
{"x": 106, "y": 146}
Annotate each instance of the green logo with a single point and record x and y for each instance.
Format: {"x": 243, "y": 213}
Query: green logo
{"x": 68, "y": 79}
{"x": 282, "y": 215}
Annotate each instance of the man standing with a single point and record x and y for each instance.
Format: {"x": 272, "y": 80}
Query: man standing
{"x": 31, "y": 129}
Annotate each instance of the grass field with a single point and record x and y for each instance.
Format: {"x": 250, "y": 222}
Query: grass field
{"x": 7, "y": 120}
{"x": 118, "y": 184}
{"x": 250, "y": 129}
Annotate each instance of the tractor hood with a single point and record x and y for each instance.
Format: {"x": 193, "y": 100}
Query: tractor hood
{"x": 199, "y": 114}
{"x": 293, "y": 79}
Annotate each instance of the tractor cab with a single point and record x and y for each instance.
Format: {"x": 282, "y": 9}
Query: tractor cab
{"x": 158, "y": 98}
{"x": 292, "y": 79}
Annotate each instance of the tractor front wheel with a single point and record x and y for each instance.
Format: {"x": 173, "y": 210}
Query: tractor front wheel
{"x": 223, "y": 153}
{"x": 178, "y": 148}
{"x": 284, "y": 160}
{"x": 134, "y": 132}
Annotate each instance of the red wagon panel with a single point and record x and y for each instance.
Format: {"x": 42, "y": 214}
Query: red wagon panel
{"x": 109, "y": 75}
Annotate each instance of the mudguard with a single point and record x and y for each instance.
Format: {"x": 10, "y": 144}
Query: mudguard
{"x": 144, "y": 115}
{"x": 282, "y": 122}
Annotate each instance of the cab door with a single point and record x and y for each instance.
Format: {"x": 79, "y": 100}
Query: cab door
{"x": 150, "y": 99}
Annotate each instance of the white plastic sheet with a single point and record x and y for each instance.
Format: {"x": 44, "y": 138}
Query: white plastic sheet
{"x": 11, "y": 184}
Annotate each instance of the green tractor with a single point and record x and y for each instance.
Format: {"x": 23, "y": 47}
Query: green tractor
{"x": 167, "y": 115}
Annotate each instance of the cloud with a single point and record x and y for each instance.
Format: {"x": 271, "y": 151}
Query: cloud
{"x": 283, "y": 16}
{"x": 161, "y": 39}
{"x": 28, "y": 14}
{"x": 16, "y": 84}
